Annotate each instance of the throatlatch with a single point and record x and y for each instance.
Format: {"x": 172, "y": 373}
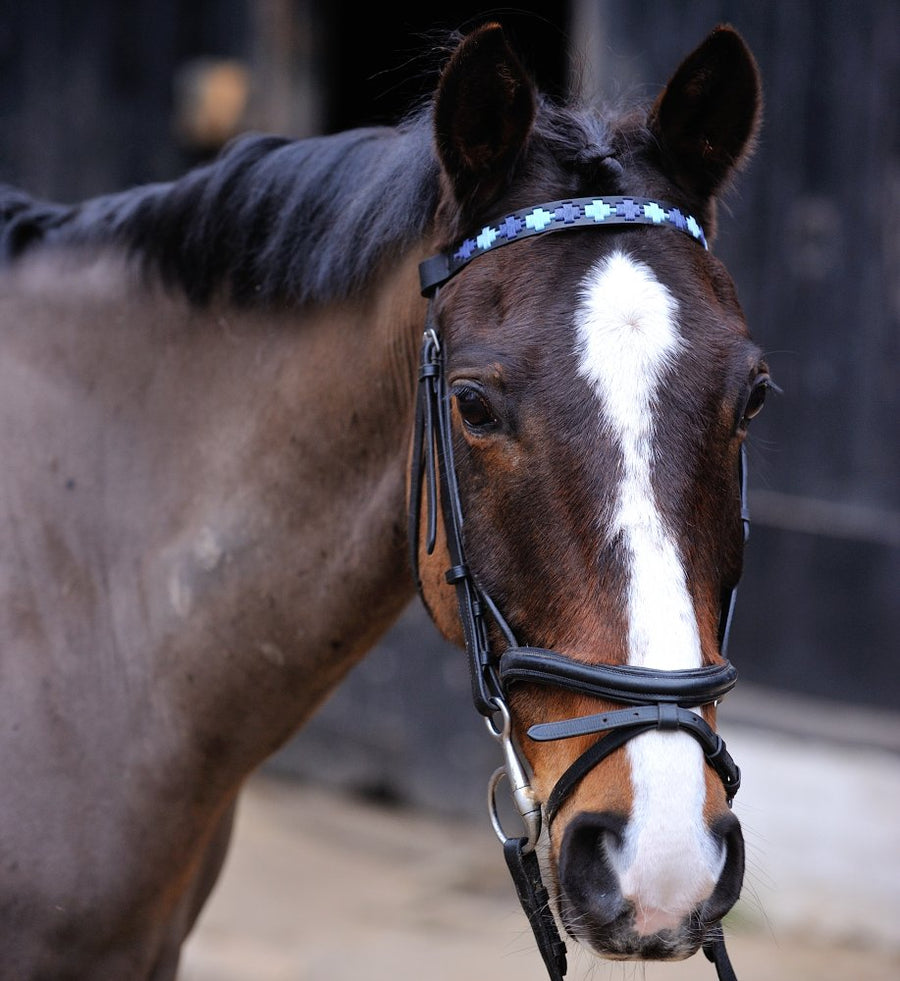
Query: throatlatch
{"x": 655, "y": 699}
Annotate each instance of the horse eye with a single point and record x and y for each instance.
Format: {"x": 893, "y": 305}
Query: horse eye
{"x": 474, "y": 408}
{"x": 756, "y": 399}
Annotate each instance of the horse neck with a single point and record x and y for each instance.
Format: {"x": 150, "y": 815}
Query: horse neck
{"x": 228, "y": 484}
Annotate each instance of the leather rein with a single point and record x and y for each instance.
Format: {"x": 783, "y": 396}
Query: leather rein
{"x": 655, "y": 699}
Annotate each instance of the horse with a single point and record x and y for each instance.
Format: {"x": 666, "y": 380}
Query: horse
{"x": 223, "y": 433}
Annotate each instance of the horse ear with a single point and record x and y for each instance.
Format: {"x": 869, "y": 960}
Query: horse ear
{"x": 707, "y": 117}
{"x": 484, "y": 110}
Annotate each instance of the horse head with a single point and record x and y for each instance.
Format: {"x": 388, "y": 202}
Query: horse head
{"x": 598, "y": 387}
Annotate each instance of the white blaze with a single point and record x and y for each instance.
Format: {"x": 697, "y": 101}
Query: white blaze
{"x": 627, "y": 336}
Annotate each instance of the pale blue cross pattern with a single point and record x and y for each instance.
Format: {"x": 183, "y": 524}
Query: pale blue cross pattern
{"x": 613, "y": 210}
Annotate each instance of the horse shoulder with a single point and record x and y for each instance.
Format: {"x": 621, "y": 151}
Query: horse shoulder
{"x": 199, "y": 512}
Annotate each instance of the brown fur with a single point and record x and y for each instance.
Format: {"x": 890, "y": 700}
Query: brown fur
{"x": 203, "y": 530}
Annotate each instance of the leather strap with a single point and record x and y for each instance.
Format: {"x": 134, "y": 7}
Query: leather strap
{"x": 714, "y": 949}
{"x": 526, "y": 875}
{"x": 620, "y": 726}
{"x": 729, "y": 596}
{"x": 617, "y": 682}
{"x": 585, "y": 763}
{"x": 550, "y": 217}
{"x": 432, "y": 467}
{"x": 422, "y": 466}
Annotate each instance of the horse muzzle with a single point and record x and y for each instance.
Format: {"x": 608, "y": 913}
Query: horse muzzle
{"x": 606, "y": 906}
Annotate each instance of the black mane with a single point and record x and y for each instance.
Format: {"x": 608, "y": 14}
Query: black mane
{"x": 272, "y": 220}
{"x": 290, "y": 221}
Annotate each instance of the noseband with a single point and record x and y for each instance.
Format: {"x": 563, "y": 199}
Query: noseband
{"x": 655, "y": 699}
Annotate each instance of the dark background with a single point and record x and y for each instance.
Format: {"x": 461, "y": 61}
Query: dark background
{"x": 89, "y": 98}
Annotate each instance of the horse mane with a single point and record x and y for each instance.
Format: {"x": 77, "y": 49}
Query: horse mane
{"x": 274, "y": 220}
{"x": 271, "y": 220}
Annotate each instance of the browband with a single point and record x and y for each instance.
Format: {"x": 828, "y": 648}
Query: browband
{"x": 551, "y": 217}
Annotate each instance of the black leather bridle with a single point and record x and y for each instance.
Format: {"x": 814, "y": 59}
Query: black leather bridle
{"x": 655, "y": 699}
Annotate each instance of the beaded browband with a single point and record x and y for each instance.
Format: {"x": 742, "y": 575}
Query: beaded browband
{"x": 556, "y": 216}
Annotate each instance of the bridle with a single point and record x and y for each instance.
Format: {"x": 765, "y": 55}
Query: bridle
{"x": 655, "y": 699}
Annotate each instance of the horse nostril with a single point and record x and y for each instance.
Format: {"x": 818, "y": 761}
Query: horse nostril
{"x": 588, "y": 882}
{"x": 728, "y": 888}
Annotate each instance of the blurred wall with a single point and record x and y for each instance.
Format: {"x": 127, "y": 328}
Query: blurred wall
{"x": 87, "y": 90}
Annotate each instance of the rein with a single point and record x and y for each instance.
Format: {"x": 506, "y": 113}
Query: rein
{"x": 656, "y": 699}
